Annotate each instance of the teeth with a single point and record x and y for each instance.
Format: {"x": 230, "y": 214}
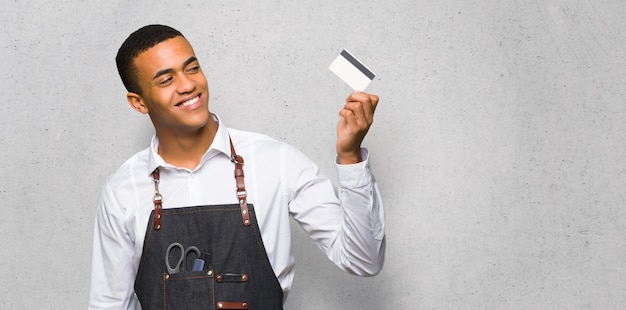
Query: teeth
{"x": 190, "y": 101}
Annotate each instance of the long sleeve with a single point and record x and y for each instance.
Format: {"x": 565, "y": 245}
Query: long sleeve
{"x": 112, "y": 270}
{"x": 348, "y": 228}
{"x": 364, "y": 219}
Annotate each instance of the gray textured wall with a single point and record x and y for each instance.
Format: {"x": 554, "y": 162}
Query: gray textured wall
{"x": 499, "y": 142}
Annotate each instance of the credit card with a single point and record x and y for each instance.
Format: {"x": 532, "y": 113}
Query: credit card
{"x": 352, "y": 71}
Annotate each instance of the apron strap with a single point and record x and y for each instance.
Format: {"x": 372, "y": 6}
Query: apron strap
{"x": 241, "y": 190}
{"x": 158, "y": 200}
{"x": 241, "y": 186}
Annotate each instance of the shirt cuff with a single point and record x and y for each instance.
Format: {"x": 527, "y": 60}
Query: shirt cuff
{"x": 354, "y": 175}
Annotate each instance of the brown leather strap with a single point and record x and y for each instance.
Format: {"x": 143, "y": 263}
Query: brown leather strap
{"x": 231, "y": 277}
{"x": 241, "y": 186}
{"x": 158, "y": 200}
{"x": 232, "y": 305}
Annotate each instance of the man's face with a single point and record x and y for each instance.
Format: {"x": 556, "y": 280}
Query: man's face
{"x": 175, "y": 92}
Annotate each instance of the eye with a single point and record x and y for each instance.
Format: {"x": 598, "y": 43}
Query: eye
{"x": 165, "y": 81}
{"x": 192, "y": 69}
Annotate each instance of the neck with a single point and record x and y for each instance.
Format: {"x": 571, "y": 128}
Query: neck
{"x": 186, "y": 149}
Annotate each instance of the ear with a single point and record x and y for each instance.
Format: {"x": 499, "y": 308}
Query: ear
{"x": 136, "y": 102}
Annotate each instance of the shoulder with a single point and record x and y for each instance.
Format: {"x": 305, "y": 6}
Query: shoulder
{"x": 249, "y": 136}
{"x": 133, "y": 169}
{"x": 269, "y": 150}
{"x": 256, "y": 141}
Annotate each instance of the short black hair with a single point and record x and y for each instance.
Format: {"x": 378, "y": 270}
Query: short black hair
{"x": 138, "y": 42}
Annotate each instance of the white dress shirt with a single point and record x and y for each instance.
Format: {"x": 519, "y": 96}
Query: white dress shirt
{"x": 280, "y": 182}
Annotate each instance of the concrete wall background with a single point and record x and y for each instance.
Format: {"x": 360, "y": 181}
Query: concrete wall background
{"x": 499, "y": 141}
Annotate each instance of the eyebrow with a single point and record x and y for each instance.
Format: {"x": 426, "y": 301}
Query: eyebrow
{"x": 170, "y": 70}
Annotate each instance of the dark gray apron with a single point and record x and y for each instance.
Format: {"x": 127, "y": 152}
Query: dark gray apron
{"x": 237, "y": 273}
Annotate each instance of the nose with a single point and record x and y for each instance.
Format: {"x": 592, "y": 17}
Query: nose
{"x": 185, "y": 84}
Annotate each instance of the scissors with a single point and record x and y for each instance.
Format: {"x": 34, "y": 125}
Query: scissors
{"x": 183, "y": 257}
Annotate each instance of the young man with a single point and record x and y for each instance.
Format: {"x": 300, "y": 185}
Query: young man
{"x": 179, "y": 197}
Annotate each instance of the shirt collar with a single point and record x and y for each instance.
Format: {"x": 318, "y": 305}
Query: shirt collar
{"x": 220, "y": 145}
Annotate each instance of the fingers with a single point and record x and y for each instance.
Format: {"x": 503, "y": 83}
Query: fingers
{"x": 359, "y": 108}
{"x": 357, "y": 116}
{"x": 363, "y": 97}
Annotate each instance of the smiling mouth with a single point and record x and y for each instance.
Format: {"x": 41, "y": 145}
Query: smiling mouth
{"x": 189, "y": 102}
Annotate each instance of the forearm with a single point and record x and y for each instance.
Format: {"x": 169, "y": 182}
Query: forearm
{"x": 359, "y": 246}
{"x": 348, "y": 226}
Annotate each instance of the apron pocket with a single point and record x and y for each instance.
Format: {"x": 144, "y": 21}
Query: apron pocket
{"x": 186, "y": 290}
